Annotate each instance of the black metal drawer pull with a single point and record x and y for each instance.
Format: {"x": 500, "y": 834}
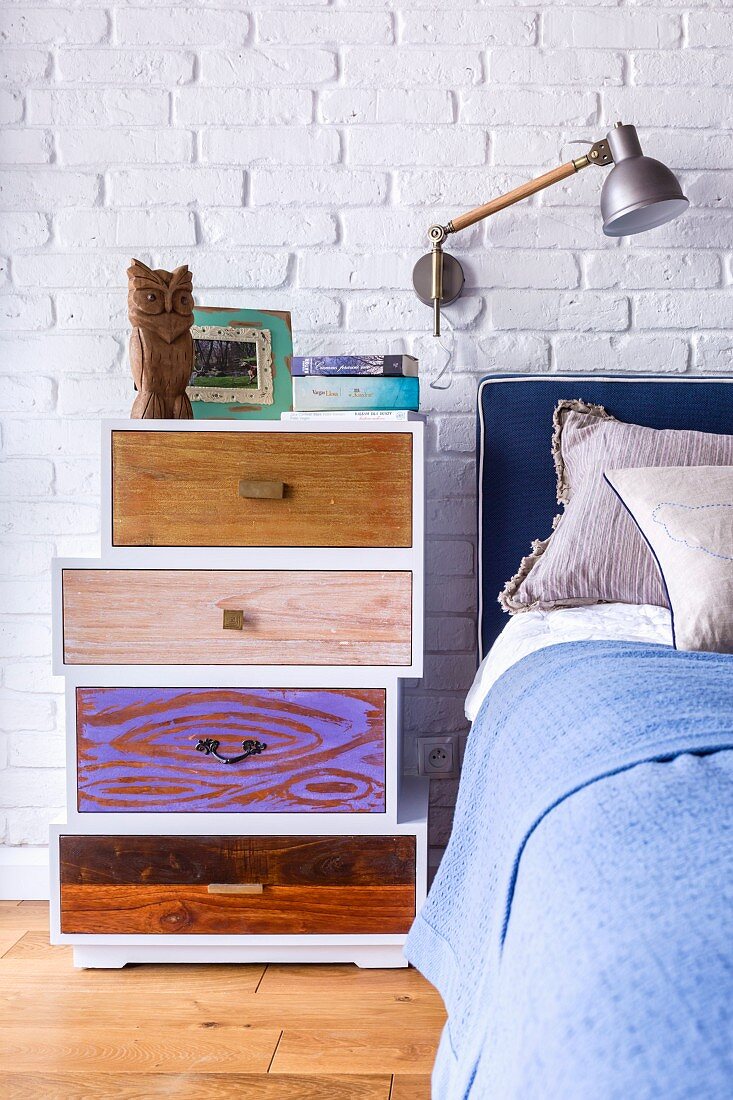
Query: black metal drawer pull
{"x": 210, "y": 746}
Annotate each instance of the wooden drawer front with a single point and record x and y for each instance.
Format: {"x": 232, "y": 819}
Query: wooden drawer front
{"x": 136, "y": 750}
{"x": 182, "y": 488}
{"x": 176, "y": 616}
{"x": 161, "y": 885}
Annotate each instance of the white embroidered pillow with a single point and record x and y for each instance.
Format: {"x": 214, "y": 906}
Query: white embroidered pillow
{"x": 685, "y": 514}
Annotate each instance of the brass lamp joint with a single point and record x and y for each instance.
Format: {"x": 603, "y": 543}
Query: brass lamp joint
{"x": 437, "y": 234}
{"x": 600, "y": 153}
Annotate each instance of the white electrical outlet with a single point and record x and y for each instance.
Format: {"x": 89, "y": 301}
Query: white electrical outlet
{"x": 438, "y": 757}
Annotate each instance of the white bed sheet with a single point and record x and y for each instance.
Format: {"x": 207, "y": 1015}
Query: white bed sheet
{"x": 531, "y": 630}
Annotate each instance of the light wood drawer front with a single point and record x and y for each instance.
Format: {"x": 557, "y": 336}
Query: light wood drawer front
{"x": 183, "y": 488}
{"x": 137, "y": 750}
{"x": 176, "y": 616}
{"x": 154, "y": 885}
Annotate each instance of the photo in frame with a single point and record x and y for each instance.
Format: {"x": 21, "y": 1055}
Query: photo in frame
{"x": 241, "y": 364}
{"x": 231, "y": 364}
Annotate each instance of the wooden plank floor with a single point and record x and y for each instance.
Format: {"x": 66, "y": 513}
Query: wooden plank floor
{"x": 206, "y": 1032}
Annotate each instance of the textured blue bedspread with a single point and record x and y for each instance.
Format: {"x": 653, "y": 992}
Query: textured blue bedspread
{"x": 580, "y": 927}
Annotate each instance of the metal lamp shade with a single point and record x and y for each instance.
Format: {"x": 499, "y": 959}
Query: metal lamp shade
{"x": 639, "y": 192}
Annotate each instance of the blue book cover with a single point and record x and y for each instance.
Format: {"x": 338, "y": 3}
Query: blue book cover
{"x": 318, "y": 394}
{"x": 354, "y": 365}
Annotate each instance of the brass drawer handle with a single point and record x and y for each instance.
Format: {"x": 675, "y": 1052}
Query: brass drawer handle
{"x": 232, "y": 619}
{"x": 262, "y": 490}
{"x": 210, "y": 746}
{"x": 235, "y": 888}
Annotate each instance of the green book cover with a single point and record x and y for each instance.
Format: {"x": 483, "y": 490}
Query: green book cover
{"x": 318, "y": 394}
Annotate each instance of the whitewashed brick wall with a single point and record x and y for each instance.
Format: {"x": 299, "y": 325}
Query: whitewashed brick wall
{"x": 293, "y": 152}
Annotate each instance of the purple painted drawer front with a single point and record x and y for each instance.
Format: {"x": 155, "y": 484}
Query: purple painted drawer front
{"x": 136, "y": 750}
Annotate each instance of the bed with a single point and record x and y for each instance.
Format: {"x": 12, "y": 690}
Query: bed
{"x": 580, "y": 926}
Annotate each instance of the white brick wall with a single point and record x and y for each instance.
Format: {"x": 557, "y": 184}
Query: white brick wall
{"x": 294, "y": 152}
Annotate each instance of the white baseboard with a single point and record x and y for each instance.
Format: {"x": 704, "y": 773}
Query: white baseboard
{"x": 23, "y": 874}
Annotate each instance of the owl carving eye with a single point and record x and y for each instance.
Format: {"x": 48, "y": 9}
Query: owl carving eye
{"x": 183, "y": 302}
{"x": 149, "y": 301}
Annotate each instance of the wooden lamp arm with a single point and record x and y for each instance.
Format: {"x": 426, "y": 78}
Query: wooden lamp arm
{"x": 517, "y": 194}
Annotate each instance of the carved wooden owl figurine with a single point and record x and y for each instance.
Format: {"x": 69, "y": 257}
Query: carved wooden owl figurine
{"x": 160, "y": 307}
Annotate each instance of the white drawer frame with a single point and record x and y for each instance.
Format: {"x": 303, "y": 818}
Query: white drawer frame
{"x": 204, "y": 559}
{"x": 231, "y": 676}
{"x": 114, "y": 951}
{"x": 278, "y": 557}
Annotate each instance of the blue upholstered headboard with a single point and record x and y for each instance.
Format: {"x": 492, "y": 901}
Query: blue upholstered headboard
{"x": 516, "y": 474}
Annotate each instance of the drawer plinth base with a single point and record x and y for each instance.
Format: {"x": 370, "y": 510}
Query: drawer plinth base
{"x": 370, "y": 956}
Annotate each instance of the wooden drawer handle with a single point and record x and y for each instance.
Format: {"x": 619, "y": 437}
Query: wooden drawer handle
{"x": 262, "y": 490}
{"x": 235, "y": 888}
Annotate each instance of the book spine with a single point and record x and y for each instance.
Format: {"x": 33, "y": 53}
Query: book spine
{"x": 352, "y": 415}
{"x": 318, "y": 394}
{"x": 303, "y": 366}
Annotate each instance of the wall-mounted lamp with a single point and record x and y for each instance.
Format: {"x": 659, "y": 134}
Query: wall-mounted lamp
{"x": 638, "y": 194}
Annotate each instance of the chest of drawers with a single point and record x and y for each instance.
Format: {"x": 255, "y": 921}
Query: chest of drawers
{"x": 233, "y": 666}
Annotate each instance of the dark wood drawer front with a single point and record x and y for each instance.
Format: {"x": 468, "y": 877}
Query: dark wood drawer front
{"x": 278, "y": 860}
{"x": 183, "y": 488}
{"x": 296, "y": 885}
{"x": 191, "y": 910}
{"x": 231, "y": 617}
{"x": 137, "y": 750}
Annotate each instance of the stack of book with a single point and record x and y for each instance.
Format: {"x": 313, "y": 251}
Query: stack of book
{"x": 359, "y": 386}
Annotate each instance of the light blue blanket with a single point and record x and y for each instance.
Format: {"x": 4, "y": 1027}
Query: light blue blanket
{"x": 580, "y": 927}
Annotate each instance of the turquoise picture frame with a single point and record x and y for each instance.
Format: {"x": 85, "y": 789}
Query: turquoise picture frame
{"x": 278, "y": 324}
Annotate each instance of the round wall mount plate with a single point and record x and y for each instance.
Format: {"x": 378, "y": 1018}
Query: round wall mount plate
{"x": 453, "y": 279}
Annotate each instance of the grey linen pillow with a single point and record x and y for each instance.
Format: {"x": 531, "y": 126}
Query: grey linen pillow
{"x": 686, "y": 517}
{"x": 596, "y": 553}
